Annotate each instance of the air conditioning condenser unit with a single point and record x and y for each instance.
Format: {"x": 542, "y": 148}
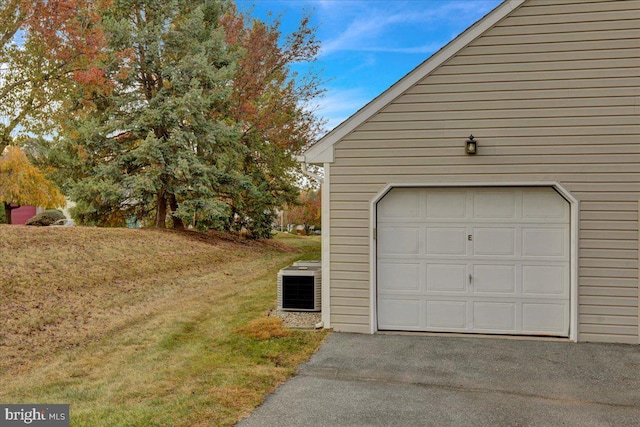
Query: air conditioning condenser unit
{"x": 300, "y": 288}
{"x": 309, "y": 263}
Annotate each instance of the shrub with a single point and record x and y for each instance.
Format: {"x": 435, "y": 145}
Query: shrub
{"x": 46, "y": 218}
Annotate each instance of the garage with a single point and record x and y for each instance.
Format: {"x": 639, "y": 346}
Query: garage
{"x": 473, "y": 260}
{"x": 494, "y": 188}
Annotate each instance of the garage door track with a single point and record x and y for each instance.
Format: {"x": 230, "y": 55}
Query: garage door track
{"x": 400, "y": 380}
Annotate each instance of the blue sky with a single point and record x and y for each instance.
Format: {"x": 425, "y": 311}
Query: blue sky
{"x": 368, "y": 45}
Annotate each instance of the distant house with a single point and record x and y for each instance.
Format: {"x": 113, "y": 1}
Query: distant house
{"x": 536, "y": 231}
{"x": 20, "y": 215}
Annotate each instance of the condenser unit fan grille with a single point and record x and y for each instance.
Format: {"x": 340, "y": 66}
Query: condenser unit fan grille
{"x": 298, "y": 292}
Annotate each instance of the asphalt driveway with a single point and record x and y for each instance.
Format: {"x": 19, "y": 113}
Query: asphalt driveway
{"x": 399, "y": 380}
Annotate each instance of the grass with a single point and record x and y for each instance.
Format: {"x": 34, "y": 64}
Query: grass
{"x": 145, "y": 327}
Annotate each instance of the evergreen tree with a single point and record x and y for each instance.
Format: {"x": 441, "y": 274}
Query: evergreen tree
{"x": 157, "y": 141}
{"x": 197, "y": 121}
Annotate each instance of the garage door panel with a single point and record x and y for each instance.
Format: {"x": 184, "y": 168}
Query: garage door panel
{"x": 446, "y": 241}
{"x": 399, "y": 277}
{"x": 494, "y": 241}
{"x": 446, "y": 277}
{"x": 399, "y": 313}
{"x": 400, "y": 204}
{"x": 494, "y": 316}
{"x": 447, "y": 205}
{"x": 544, "y": 205}
{"x": 545, "y": 318}
{"x": 451, "y": 315}
{"x": 399, "y": 241}
{"x": 494, "y": 205}
{"x": 480, "y": 260}
{"x": 540, "y": 280}
{"x": 491, "y": 278}
{"x": 544, "y": 242}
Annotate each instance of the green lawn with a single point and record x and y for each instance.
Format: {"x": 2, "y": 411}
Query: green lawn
{"x": 144, "y": 327}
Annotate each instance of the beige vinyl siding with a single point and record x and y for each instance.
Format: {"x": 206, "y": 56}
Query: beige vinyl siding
{"x": 551, "y": 93}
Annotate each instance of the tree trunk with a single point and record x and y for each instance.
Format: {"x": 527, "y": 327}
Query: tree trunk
{"x": 7, "y": 212}
{"x": 5, "y": 140}
{"x": 161, "y": 210}
{"x": 232, "y": 218}
{"x": 173, "y": 204}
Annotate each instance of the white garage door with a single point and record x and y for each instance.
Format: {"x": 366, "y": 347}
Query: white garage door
{"x": 479, "y": 260}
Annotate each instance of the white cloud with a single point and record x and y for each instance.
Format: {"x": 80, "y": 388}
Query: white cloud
{"x": 356, "y": 36}
{"x": 340, "y": 104}
{"x": 426, "y": 49}
{"x": 367, "y": 25}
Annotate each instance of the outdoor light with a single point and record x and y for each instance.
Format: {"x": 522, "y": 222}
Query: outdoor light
{"x": 471, "y": 145}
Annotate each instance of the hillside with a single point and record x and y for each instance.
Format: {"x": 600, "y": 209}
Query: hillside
{"x": 85, "y": 298}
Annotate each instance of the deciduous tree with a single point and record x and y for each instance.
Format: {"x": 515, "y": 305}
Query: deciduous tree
{"x": 21, "y": 183}
{"x": 306, "y": 210}
{"x": 46, "y": 47}
{"x": 272, "y": 104}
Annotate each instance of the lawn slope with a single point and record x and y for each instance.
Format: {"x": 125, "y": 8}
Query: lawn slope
{"x": 144, "y": 327}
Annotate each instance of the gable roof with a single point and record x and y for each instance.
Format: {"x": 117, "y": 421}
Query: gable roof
{"x": 322, "y": 150}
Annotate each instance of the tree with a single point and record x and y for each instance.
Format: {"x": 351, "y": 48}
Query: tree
{"x": 270, "y": 103}
{"x": 158, "y": 141}
{"x": 45, "y": 48}
{"x": 201, "y": 122}
{"x": 306, "y": 211}
{"x": 23, "y": 184}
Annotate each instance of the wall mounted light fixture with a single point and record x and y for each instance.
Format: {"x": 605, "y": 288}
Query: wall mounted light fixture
{"x": 471, "y": 146}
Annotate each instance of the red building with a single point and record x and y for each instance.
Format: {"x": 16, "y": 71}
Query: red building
{"x": 20, "y": 215}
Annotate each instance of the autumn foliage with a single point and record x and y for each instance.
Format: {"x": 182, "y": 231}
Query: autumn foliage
{"x": 21, "y": 183}
{"x": 306, "y": 211}
{"x": 47, "y": 47}
{"x": 271, "y": 104}
{"x": 203, "y": 121}
{"x": 177, "y": 114}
